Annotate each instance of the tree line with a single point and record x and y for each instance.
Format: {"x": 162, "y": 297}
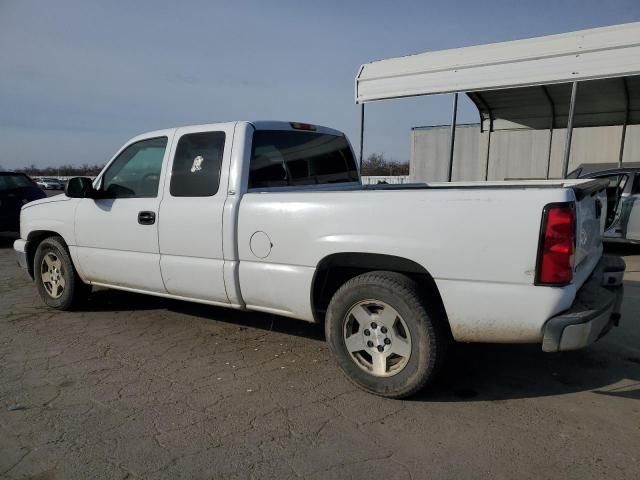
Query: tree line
{"x": 377, "y": 165}
{"x": 62, "y": 171}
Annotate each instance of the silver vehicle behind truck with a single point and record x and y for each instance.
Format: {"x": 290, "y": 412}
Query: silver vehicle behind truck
{"x": 623, "y": 198}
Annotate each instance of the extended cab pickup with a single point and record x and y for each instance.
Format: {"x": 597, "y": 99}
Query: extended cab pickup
{"x": 271, "y": 216}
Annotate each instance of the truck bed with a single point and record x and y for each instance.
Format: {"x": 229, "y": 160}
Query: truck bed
{"x": 583, "y": 186}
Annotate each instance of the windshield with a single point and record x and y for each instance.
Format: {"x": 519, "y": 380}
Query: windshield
{"x": 9, "y": 181}
{"x": 282, "y": 157}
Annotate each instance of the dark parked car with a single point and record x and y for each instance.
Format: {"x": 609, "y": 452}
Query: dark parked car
{"x": 16, "y": 189}
{"x": 623, "y": 198}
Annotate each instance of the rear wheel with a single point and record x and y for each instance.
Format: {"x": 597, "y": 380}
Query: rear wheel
{"x": 56, "y": 278}
{"x": 386, "y": 338}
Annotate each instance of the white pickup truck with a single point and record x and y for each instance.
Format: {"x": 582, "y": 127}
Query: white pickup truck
{"x": 271, "y": 216}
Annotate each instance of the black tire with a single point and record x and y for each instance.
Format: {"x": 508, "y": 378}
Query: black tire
{"x": 428, "y": 339}
{"x": 74, "y": 292}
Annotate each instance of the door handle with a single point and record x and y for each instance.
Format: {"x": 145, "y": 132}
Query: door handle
{"x": 146, "y": 218}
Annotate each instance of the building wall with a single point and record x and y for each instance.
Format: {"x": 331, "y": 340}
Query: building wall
{"x": 514, "y": 153}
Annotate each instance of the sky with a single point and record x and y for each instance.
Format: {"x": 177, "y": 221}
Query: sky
{"x": 79, "y": 78}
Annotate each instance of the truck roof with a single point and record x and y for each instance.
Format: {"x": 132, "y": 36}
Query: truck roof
{"x": 257, "y": 124}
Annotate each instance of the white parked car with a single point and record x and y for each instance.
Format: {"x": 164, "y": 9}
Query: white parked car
{"x": 271, "y": 216}
{"x": 50, "y": 183}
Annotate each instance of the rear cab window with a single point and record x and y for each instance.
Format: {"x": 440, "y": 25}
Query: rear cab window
{"x": 282, "y": 158}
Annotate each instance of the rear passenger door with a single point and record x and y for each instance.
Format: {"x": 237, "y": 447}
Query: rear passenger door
{"x": 190, "y": 223}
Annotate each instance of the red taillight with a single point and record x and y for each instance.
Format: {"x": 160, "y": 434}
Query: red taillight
{"x": 557, "y": 245}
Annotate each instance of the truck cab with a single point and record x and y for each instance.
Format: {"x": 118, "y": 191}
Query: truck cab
{"x": 161, "y": 216}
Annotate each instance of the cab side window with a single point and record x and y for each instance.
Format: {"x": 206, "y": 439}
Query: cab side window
{"x": 135, "y": 173}
{"x": 196, "y": 166}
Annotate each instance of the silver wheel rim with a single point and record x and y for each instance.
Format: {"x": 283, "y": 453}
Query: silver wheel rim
{"x": 377, "y": 338}
{"x": 52, "y": 275}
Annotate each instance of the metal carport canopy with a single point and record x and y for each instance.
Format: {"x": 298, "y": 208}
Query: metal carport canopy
{"x": 569, "y": 57}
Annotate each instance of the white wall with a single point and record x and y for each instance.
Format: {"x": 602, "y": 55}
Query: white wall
{"x": 514, "y": 153}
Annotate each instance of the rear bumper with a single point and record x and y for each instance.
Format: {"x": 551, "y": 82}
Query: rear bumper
{"x": 595, "y": 309}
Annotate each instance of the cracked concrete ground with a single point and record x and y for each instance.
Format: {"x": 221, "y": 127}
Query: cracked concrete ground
{"x": 135, "y": 386}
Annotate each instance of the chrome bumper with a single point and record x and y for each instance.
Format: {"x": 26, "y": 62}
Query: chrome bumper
{"x": 20, "y": 247}
{"x": 595, "y": 309}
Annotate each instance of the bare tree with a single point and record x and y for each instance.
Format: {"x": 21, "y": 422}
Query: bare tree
{"x": 377, "y": 165}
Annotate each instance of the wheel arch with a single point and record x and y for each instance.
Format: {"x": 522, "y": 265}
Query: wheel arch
{"x": 336, "y": 269}
{"x": 34, "y": 239}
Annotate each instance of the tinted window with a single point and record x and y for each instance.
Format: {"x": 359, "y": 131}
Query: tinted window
{"x": 196, "y": 166}
{"x": 636, "y": 184}
{"x": 280, "y": 158}
{"x": 615, "y": 181}
{"x": 136, "y": 171}
{"x": 10, "y": 181}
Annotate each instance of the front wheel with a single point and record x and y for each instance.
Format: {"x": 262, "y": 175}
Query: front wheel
{"x": 384, "y": 335}
{"x": 56, "y": 278}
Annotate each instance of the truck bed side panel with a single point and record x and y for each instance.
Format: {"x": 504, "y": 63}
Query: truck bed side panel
{"x": 480, "y": 246}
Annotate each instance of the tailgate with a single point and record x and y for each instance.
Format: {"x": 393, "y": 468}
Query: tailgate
{"x": 591, "y": 208}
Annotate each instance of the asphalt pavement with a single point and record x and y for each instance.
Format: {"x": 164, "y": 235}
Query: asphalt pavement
{"x": 134, "y": 386}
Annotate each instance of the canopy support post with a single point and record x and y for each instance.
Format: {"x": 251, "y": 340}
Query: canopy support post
{"x": 452, "y": 137}
{"x": 486, "y": 165}
{"x": 361, "y": 134}
{"x": 552, "y": 125}
{"x": 567, "y": 146}
{"x": 477, "y": 98}
{"x": 626, "y": 120}
{"x": 549, "y": 152}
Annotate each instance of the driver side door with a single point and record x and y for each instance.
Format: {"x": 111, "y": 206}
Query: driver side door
{"x": 117, "y": 232}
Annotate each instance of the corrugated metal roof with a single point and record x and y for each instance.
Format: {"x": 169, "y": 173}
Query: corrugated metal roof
{"x": 609, "y": 101}
{"x": 583, "y": 55}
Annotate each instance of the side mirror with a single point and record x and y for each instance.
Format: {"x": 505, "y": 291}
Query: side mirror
{"x": 79, "y": 187}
